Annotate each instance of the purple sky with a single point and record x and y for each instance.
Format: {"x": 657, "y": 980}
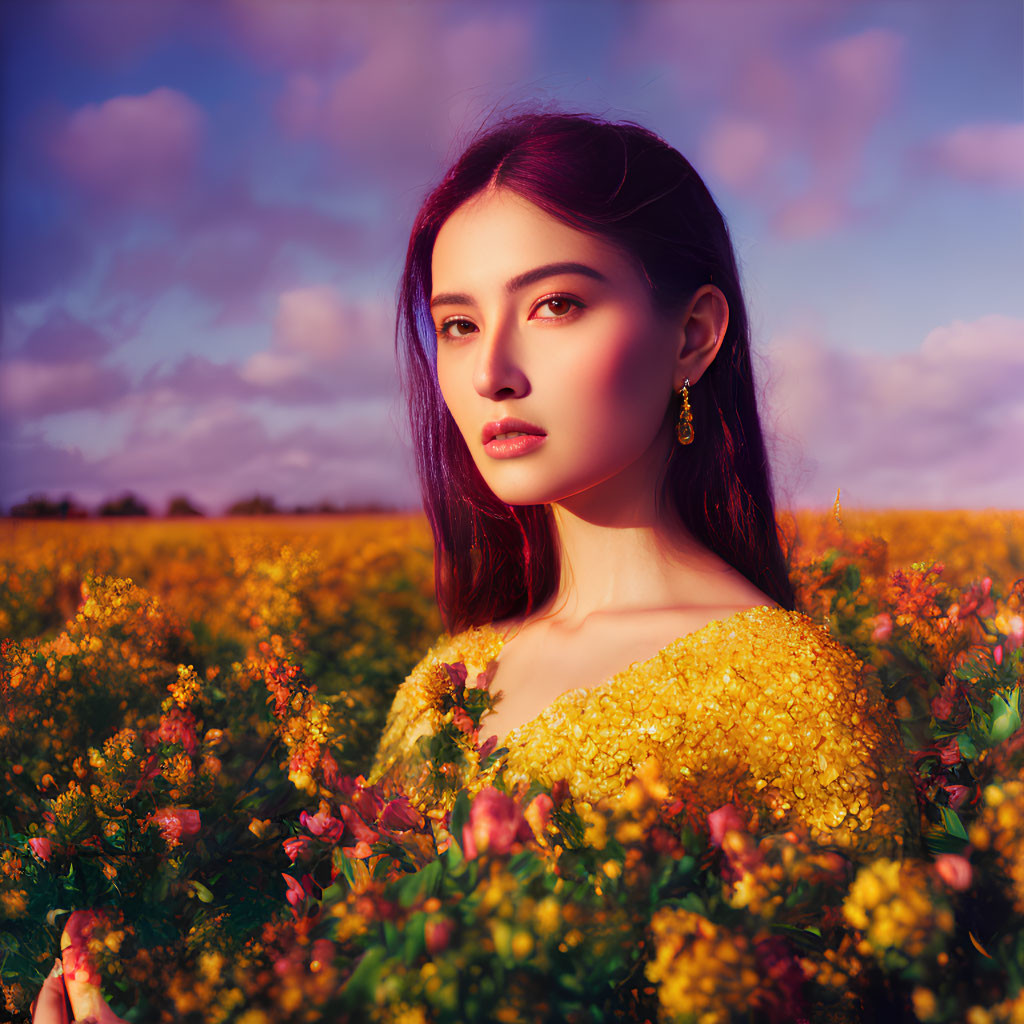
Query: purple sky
{"x": 205, "y": 207}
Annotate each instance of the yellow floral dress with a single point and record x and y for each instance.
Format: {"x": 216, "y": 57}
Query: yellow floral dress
{"x": 763, "y": 708}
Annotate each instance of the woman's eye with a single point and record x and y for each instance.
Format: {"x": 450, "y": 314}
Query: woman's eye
{"x": 556, "y": 307}
{"x": 456, "y": 328}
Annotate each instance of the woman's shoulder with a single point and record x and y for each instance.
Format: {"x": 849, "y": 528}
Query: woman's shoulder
{"x": 414, "y": 711}
{"x": 767, "y": 640}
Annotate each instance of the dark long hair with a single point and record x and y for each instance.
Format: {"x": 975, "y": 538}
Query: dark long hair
{"x": 622, "y": 183}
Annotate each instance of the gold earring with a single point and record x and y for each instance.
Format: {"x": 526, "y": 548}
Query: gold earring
{"x": 684, "y": 428}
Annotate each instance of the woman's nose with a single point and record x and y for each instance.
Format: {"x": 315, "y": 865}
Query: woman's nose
{"x": 498, "y": 372}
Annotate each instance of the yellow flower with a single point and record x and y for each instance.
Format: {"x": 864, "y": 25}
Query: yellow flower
{"x": 899, "y": 908}
{"x": 702, "y": 971}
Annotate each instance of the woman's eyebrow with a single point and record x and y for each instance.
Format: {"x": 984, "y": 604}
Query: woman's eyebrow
{"x": 552, "y": 270}
{"x": 521, "y": 281}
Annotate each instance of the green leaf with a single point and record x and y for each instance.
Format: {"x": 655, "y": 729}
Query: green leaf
{"x": 459, "y": 817}
{"x": 968, "y": 748}
{"x": 362, "y": 986}
{"x": 415, "y": 941}
{"x": 1005, "y": 715}
{"x": 201, "y": 891}
{"x": 952, "y": 824}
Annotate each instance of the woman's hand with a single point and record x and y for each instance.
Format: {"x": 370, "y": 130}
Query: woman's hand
{"x": 74, "y": 978}
{"x": 50, "y": 1006}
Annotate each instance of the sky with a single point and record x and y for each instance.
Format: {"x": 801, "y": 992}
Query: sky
{"x": 206, "y": 207}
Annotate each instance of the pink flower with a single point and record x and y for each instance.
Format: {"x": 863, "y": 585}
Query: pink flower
{"x": 957, "y": 796}
{"x": 942, "y": 704}
{"x": 483, "y": 679}
{"x": 883, "y": 628}
{"x": 976, "y": 600}
{"x": 362, "y": 796}
{"x": 997, "y": 654}
{"x": 362, "y": 832}
{"x": 538, "y": 814}
{"x": 457, "y": 676}
{"x": 322, "y": 953}
{"x": 297, "y": 892}
{"x": 725, "y": 819}
{"x": 495, "y": 824}
{"x": 949, "y": 753}
{"x": 179, "y": 727}
{"x": 296, "y": 846}
{"x": 1015, "y": 637}
{"x": 438, "y": 935}
{"x": 323, "y": 824}
{"x": 954, "y": 870}
{"x": 400, "y": 815}
{"x": 176, "y": 823}
{"x": 463, "y": 722}
{"x": 360, "y": 851}
{"x": 41, "y": 847}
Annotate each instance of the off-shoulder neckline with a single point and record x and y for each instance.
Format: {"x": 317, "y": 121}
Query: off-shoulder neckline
{"x": 680, "y": 643}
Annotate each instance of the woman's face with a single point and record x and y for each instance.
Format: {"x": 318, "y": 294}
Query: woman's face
{"x": 546, "y": 330}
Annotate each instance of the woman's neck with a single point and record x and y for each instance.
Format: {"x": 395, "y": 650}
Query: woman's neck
{"x": 620, "y": 553}
{"x": 633, "y": 564}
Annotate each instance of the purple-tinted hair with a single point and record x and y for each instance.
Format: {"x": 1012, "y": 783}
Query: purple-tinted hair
{"x": 622, "y": 183}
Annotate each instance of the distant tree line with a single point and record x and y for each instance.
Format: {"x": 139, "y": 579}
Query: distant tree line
{"x": 41, "y": 506}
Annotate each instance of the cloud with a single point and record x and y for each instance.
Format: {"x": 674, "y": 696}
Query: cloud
{"x": 29, "y": 388}
{"x": 225, "y": 452}
{"x": 935, "y": 427}
{"x": 57, "y": 369}
{"x": 312, "y": 321}
{"x": 324, "y": 349}
{"x": 324, "y": 344}
{"x": 980, "y": 154}
{"x": 88, "y": 35}
{"x": 138, "y": 149}
{"x": 793, "y": 132}
{"x": 64, "y": 337}
{"x": 36, "y": 264}
{"x": 407, "y": 86}
{"x": 231, "y": 249}
{"x": 302, "y": 33}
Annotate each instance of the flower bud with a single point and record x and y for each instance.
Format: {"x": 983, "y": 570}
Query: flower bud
{"x": 41, "y": 847}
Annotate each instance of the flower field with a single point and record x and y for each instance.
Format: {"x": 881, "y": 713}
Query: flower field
{"x": 190, "y": 709}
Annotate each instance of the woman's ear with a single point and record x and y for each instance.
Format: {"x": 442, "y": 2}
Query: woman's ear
{"x": 704, "y": 323}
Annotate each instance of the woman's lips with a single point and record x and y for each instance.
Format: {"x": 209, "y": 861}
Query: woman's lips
{"x": 511, "y": 437}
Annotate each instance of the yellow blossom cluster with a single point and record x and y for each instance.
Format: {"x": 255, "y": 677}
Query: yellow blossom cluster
{"x": 899, "y": 909}
{"x": 704, "y": 972}
{"x": 1000, "y": 828}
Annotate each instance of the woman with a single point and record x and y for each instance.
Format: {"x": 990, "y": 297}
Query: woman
{"x": 584, "y": 417}
{"x": 575, "y": 351}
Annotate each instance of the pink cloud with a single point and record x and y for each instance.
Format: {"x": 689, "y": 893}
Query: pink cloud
{"x": 231, "y": 249}
{"x": 314, "y": 321}
{"x": 981, "y": 154}
{"x": 224, "y": 452}
{"x": 410, "y": 86}
{"x": 934, "y": 427}
{"x": 302, "y": 33}
{"x": 300, "y": 107}
{"x": 57, "y": 368}
{"x": 63, "y": 337}
{"x": 134, "y": 148}
{"x": 740, "y": 152}
{"x": 29, "y": 388}
{"x": 794, "y": 133}
{"x": 319, "y": 337}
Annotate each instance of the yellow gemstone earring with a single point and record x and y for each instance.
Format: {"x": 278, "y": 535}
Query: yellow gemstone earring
{"x": 684, "y": 428}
